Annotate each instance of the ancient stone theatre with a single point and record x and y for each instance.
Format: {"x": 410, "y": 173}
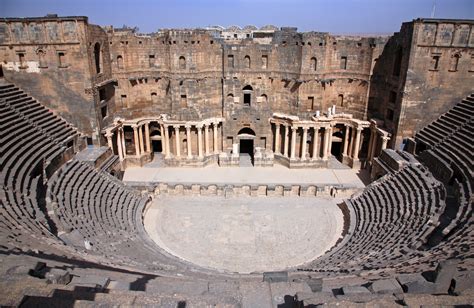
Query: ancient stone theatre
{"x": 239, "y": 166}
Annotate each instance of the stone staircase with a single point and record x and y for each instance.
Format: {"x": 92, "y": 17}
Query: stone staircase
{"x": 245, "y": 160}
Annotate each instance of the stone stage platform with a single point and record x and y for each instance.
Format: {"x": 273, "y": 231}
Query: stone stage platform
{"x": 277, "y": 175}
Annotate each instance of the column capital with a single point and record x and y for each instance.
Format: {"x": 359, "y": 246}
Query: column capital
{"x": 199, "y": 126}
{"x": 177, "y": 126}
{"x": 188, "y": 126}
{"x": 134, "y": 126}
{"x": 385, "y": 138}
{"x": 294, "y": 128}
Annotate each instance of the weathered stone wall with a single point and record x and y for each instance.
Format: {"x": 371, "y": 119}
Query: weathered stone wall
{"x": 284, "y": 74}
{"x": 429, "y": 82}
{"x": 50, "y": 58}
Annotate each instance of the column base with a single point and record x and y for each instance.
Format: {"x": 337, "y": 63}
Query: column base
{"x": 354, "y": 163}
{"x": 194, "y": 161}
{"x": 137, "y": 161}
{"x": 298, "y": 163}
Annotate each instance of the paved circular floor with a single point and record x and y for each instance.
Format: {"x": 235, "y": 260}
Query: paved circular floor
{"x": 246, "y": 234}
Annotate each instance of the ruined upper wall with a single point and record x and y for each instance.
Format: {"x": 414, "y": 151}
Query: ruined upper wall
{"x": 441, "y": 71}
{"x": 53, "y": 59}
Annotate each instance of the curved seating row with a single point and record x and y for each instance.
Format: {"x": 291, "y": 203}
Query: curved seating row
{"x": 447, "y": 124}
{"x": 30, "y": 138}
{"x": 390, "y": 220}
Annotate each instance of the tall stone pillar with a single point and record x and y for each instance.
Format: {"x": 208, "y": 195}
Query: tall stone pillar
{"x": 199, "y": 128}
{"x": 178, "y": 141}
{"x": 303, "y": 146}
{"x": 206, "y": 139}
{"x": 135, "y": 139}
{"x": 188, "y": 137}
{"x": 109, "y": 135}
{"x": 371, "y": 140}
{"x": 374, "y": 145}
{"x": 147, "y": 137}
{"x": 140, "y": 137}
{"x": 330, "y": 142}
{"x": 326, "y": 143}
{"x": 122, "y": 140}
{"x": 119, "y": 145}
{"x": 277, "y": 138}
{"x": 316, "y": 143}
{"x": 293, "y": 142}
{"x": 214, "y": 129}
{"x": 355, "y": 150}
{"x": 167, "y": 141}
{"x": 285, "y": 146}
{"x": 351, "y": 144}
{"x": 385, "y": 140}
{"x": 346, "y": 140}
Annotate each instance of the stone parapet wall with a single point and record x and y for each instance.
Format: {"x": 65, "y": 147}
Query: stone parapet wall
{"x": 229, "y": 191}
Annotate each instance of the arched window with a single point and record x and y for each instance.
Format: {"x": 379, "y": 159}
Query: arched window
{"x": 454, "y": 62}
{"x": 154, "y": 97}
{"x": 264, "y": 98}
{"x": 97, "y": 57}
{"x": 247, "y": 95}
{"x": 314, "y": 64}
{"x": 119, "y": 62}
{"x": 41, "y": 59}
{"x": 340, "y": 100}
{"x": 182, "y": 63}
{"x": 230, "y": 98}
{"x": 247, "y": 62}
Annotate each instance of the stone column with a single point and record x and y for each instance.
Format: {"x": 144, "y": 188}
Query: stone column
{"x": 293, "y": 142}
{"x": 135, "y": 139}
{"x": 371, "y": 140}
{"x": 277, "y": 138}
{"x": 385, "y": 140}
{"x": 373, "y": 144}
{"x": 325, "y": 145}
{"x": 303, "y": 146}
{"x": 119, "y": 145}
{"x": 109, "y": 141}
{"x": 330, "y": 142}
{"x": 188, "y": 137}
{"x": 147, "y": 136}
{"x": 167, "y": 141}
{"x": 140, "y": 136}
{"x": 346, "y": 140}
{"x": 178, "y": 141}
{"x": 214, "y": 129}
{"x": 122, "y": 140}
{"x": 351, "y": 145}
{"x": 315, "y": 143}
{"x": 199, "y": 128}
{"x": 285, "y": 146}
{"x": 355, "y": 149}
{"x": 206, "y": 138}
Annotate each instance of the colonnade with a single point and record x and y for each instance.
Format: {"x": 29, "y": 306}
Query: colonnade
{"x": 169, "y": 130}
{"x": 321, "y": 140}
{"x": 203, "y": 144}
{"x": 141, "y": 139}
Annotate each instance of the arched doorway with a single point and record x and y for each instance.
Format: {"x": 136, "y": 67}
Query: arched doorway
{"x": 155, "y": 137}
{"x": 1, "y": 71}
{"x": 246, "y": 138}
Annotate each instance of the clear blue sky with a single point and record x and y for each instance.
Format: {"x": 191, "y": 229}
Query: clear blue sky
{"x": 336, "y": 16}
